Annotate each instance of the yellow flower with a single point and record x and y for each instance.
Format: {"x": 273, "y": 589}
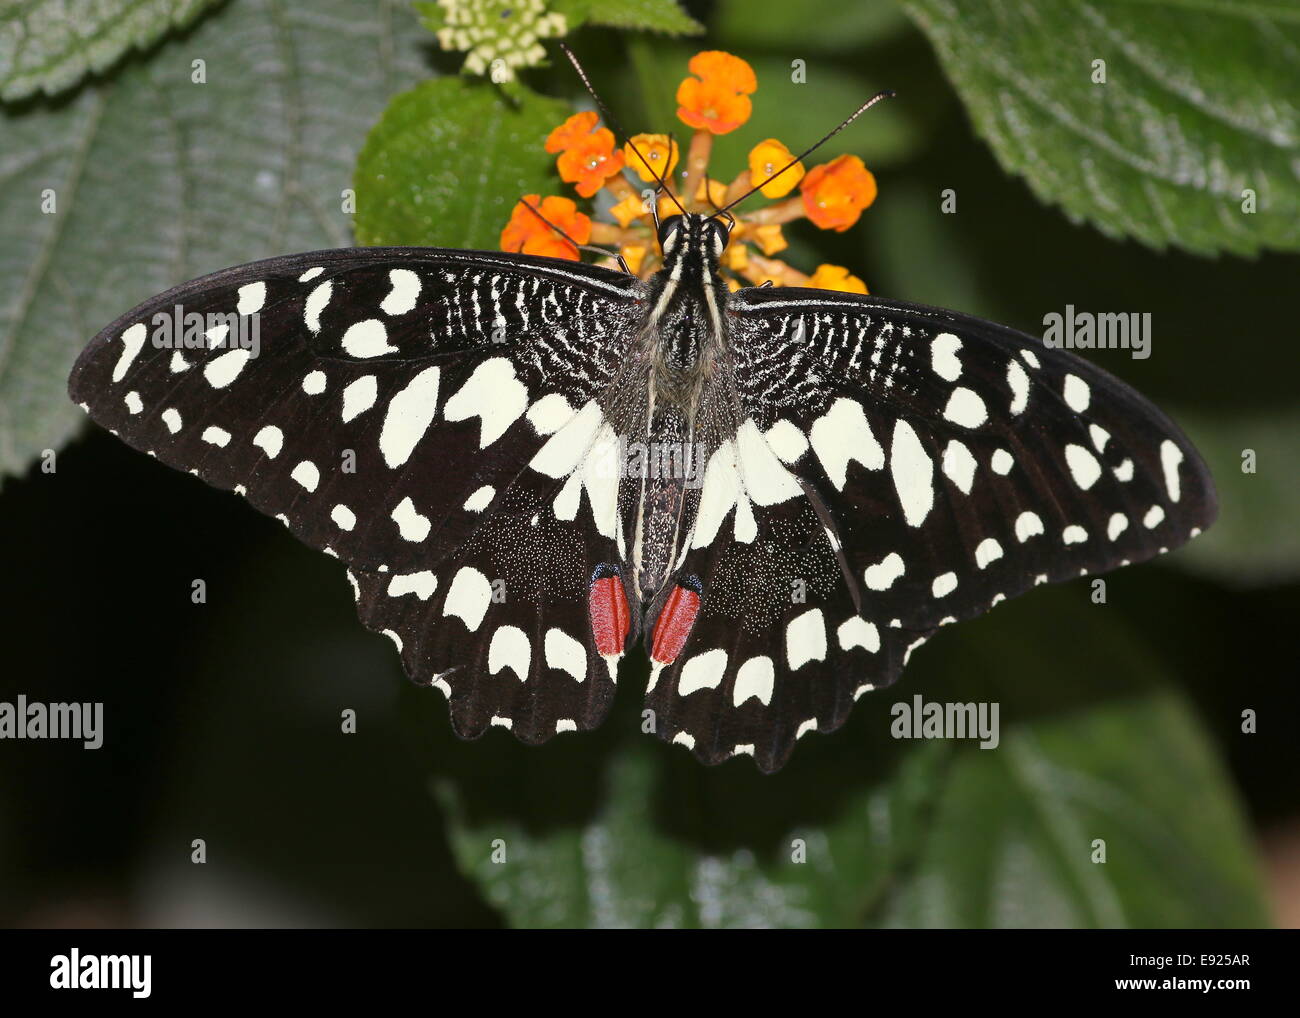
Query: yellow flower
{"x": 628, "y": 210}
{"x": 634, "y": 255}
{"x": 769, "y": 237}
{"x": 717, "y": 192}
{"x": 660, "y": 152}
{"x": 735, "y": 257}
{"x": 836, "y": 277}
{"x": 767, "y": 158}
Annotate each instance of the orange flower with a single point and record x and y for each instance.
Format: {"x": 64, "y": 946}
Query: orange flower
{"x": 588, "y": 156}
{"x": 769, "y": 157}
{"x": 717, "y": 98}
{"x": 835, "y": 193}
{"x": 527, "y": 232}
{"x": 660, "y": 152}
{"x": 836, "y": 277}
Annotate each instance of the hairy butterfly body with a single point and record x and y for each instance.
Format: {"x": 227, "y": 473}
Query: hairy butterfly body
{"x": 529, "y": 465}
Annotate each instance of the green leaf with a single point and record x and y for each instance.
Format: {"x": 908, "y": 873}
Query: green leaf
{"x": 898, "y": 832}
{"x": 656, "y": 15}
{"x": 619, "y": 871}
{"x": 1256, "y": 539}
{"x": 447, "y": 162}
{"x": 1198, "y": 111}
{"x": 157, "y": 180}
{"x": 50, "y": 45}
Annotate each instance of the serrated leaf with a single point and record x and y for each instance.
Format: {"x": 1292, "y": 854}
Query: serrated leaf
{"x": 157, "y": 180}
{"x": 655, "y": 15}
{"x": 1198, "y": 111}
{"x": 50, "y": 45}
{"x": 447, "y": 161}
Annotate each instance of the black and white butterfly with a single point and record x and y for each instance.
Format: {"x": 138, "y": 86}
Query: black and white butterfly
{"x": 780, "y": 491}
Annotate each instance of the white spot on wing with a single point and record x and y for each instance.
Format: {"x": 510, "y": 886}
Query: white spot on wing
{"x": 216, "y": 436}
{"x": 703, "y": 671}
{"x": 343, "y": 517}
{"x": 405, "y": 292}
{"x": 1018, "y": 382}
{"x": 1074, "y": 534}
{"x": 1028, "y": 524}
{"x": 944, "y": 584}
{"x": 410, "y": 412}
{"x": 786, "y": 440}
{"x": 313, "y": 383}
{"x": 1170, "y": 458}
{"x": 306, "y": 474}
{"x": 225, "y": 368}
{"x": 756, "y": 678}
{"x": 172, "y": 418}
{"x": 494, "y": 395}
{"x": 965, "y": 408}
{"x": 550, "y": 413}
{"x": 251, "y": 298}
{"x": 959, "y": 465}
{"x": 509, "y": 649}
{"x": 565, "y": 653}
{"x": 410, "y": 524}
{"x": 913, "y": 474}
{"x": 805, "y": 639}
{"x": 1117, "y": 525}
{"x": 943, "y": 356}
{"x": 1083, "y": 465}
{"x": 270, "y": 440}
{"x": 132, "y": 340}
{"x": 368, "y": 338}
{"x": 316, "y": 301}
{"x": 480, "y": 499}
{"x": 421, "y": 584}
{"x": 987, "y": 551}
{"x": 841, "y": 435}
{"x": 1077, "y": 394}
{"x": 359, "y": 396}
{"x": 858, "y": 632}
{"x": 133, "y": 402}
{"x": 882, "y": 575}
{"x": 469, "y": 597}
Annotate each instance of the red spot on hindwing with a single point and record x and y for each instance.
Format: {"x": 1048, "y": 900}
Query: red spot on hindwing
{"x": 674, "y": 624}
{"x": 609, "y": 615}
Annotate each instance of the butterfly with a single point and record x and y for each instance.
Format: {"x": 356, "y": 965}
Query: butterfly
{"x": 529, "y": 465}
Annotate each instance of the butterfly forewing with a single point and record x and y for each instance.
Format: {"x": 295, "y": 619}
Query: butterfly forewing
{"x": 388, "y": 414}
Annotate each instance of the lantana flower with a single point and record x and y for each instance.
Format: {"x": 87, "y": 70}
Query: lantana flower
{"x": 503, "y": 33}
{"x": 713, "y": 99}
{"x": 535, "y": 225}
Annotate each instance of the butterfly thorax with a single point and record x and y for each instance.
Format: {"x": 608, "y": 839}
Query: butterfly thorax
{"x": 683, "y": 343}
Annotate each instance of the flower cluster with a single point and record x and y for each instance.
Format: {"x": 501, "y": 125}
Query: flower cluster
{"x": 494, "y": 30}
{"x": 713, "y": 99}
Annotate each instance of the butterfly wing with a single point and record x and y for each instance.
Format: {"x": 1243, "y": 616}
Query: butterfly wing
{"x": 387, "y": 408}
{"x": 898, "y": 468}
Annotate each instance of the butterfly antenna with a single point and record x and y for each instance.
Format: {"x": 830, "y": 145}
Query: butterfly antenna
{"x": 886, "y": 94}
{"x": 578, "y": 247}
{"x": 609, "y": 119}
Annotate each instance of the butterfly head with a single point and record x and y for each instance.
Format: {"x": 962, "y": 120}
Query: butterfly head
{"x": 693, "y": 239}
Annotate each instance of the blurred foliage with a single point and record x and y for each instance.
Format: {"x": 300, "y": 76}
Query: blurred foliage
{"x": 50, "y": 45}
{"x": 1146, "y": 120}
{"x": 1116, "y": 718}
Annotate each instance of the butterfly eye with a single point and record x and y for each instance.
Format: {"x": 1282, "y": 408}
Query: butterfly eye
{"x": 669, "y": 233}
{"x": 719, "y": 236}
